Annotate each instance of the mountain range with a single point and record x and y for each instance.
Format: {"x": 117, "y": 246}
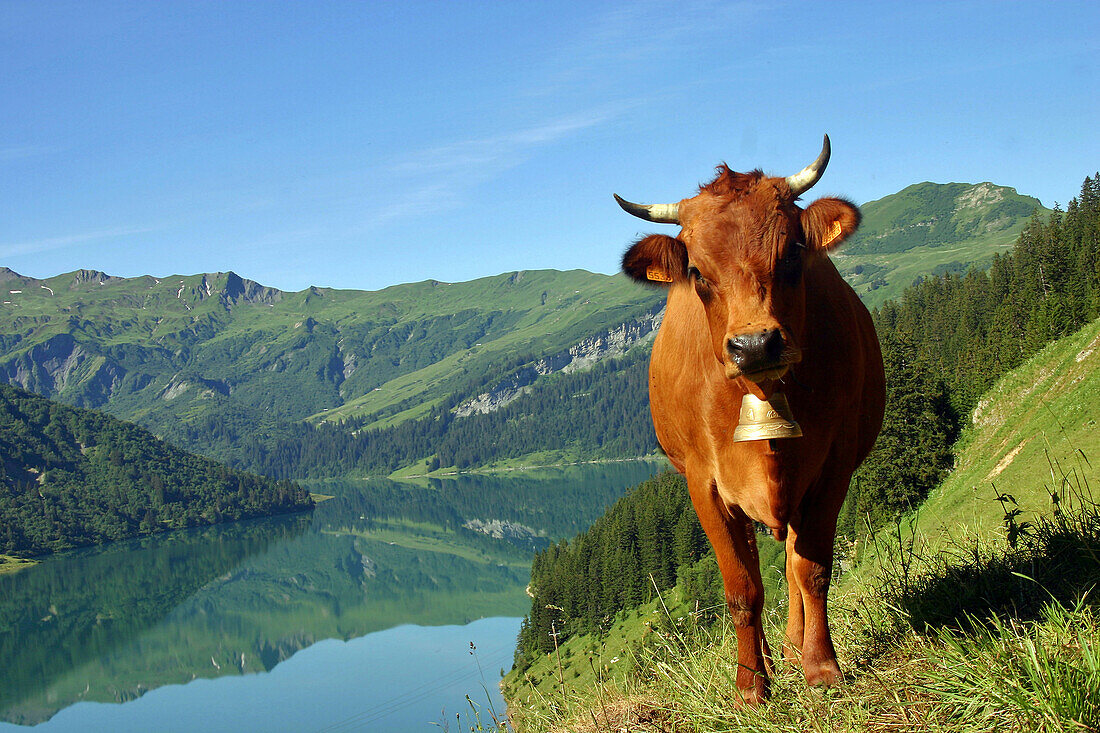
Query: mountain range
{"x": 209, "y": 360}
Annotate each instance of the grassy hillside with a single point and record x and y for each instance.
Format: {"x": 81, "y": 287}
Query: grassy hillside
{"x": 930, "y": 228}
{"x": 938, "y": 627}
{"x": 184, "y": 339}
{"x": 1032, "y": 432}
{"x": 218, "y": 357}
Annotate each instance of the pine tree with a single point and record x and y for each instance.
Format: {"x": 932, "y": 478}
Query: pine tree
{"x": 913, "y": 451}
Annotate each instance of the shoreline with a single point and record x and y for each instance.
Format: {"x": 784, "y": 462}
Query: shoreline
{"x": 508, "y": 469}
{"x": 10, "y": 564}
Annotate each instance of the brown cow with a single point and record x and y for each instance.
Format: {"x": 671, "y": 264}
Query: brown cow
{"x": 756, "y": 306}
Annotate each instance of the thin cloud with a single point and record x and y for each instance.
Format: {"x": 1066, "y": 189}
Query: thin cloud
{"x": 19, "y": 152}
{"x": 496, "y": 153}
{"x": 455, "y": 168}
{"x": 304, "y": 236}
{"x": 434, "y": 197}
{"x": 15, "y": 249}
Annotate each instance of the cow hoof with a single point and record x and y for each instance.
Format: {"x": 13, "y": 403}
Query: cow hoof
{"x": 827, "y": 675}
{"x": 750, "y": 698}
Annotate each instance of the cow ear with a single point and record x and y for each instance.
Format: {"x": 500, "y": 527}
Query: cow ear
{"x": 656, "y": 260}
{"x": 828, "y": 222}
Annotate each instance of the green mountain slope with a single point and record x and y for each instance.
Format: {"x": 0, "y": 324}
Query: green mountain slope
{"x": 931, "y": 228}
{"x": 1032, "y": 434}
{"x": 70, "y": 477}
{"x": 218, "y": 356}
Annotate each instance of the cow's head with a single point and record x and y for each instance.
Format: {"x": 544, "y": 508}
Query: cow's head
{"x": 743, "y": 249}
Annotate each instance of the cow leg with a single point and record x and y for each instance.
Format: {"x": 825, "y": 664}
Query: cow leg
{"x": 730, "y": 533}
{"x": 796, "y": 618}
{"x": 809, "y": 568}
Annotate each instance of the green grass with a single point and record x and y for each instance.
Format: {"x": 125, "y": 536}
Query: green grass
{"x": 566, "y": 312}
{"x": 1007, "y": 675}
{"x": 611, "y": 656}
{"x": 526, "y": 462}
{"x": 413, "y": 470}
{"x": 1032, "y": 663}
{"x": 539, "y": 459}
{"x": 585, "y": 660}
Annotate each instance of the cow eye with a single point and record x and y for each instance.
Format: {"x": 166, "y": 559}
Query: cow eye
{"x": 790, "y": 267}
{"x": 702, "y": 287}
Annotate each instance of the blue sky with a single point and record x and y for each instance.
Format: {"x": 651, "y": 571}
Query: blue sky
{"x": 363, "y": 144}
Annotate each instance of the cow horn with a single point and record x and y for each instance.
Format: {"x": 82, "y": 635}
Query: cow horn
{"x": 805, "y": 179}
{"x": 660, "y": 213}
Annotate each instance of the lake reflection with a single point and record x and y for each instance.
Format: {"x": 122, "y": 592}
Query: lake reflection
{"x": 111, "y": 623}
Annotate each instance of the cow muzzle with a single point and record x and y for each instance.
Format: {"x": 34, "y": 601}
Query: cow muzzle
{"x": 760, "y": 355}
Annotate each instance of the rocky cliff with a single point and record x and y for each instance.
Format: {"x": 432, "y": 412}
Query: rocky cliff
{"x": 611, "y": 343}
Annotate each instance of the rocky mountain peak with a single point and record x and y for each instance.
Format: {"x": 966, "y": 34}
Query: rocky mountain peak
{"x": 240, "y": 290}
{"x": 92, "y": 277}
{"x": 981, "y": 194}
{"x": 9, "y": 275}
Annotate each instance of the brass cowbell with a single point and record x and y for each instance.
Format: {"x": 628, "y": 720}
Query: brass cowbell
{"x": 765, "y": 420}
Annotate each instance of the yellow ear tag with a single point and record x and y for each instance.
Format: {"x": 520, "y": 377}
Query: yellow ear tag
{"x": 657, "y": 274}
{"x": 834, "y": 232}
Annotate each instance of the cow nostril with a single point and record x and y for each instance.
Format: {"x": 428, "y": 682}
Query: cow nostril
{"x": 739, "y": 349}
{"x": 773, "y": 343}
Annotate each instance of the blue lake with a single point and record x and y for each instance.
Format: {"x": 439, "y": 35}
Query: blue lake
{"x": 401, "y": 679}
{"x": 381, "y": 610}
